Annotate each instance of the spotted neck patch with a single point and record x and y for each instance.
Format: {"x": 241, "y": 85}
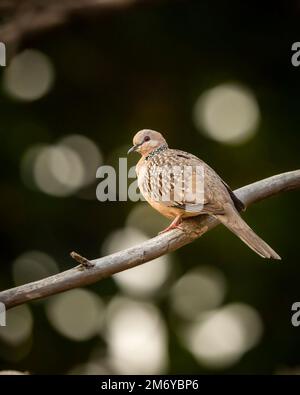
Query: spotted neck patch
{"x": 157, "y": 151}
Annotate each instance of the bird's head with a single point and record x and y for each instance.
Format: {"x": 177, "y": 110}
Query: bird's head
{"x": 146, "y": 141}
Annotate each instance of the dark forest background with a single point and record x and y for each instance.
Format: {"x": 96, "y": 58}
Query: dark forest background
{"x": 71, "y": 99}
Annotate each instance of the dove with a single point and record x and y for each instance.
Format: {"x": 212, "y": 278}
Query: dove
{"x": 180, "y": 185}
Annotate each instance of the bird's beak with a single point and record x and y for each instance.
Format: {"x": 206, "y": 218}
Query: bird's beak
{"x": 133, "y": 148}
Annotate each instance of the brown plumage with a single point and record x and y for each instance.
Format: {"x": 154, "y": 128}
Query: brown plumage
{"x": 180, "y": 185}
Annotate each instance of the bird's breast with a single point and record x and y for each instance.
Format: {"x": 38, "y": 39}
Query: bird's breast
{"x": 142, "y": 177}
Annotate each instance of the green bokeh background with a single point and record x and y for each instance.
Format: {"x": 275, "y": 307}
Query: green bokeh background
{"x": 144, "y": 67}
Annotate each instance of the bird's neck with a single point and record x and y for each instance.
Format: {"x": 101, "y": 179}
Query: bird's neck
{"x": 156, "y": 151}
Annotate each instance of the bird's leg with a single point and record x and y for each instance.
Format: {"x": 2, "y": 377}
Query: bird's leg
{"x": 173, "y": 225}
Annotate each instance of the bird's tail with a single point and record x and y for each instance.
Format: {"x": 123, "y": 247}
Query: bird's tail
{"x": 234, "y": 222}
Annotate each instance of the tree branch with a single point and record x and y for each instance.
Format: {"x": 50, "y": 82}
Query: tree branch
{"x": 27, "y": 17}
{"x": 91, "y": 271}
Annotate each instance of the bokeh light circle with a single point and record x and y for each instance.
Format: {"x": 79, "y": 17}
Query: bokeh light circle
{"x": 198, "y": 290}
{"x": 142, "y": 280}
{"x": 19, "y": 323}
{"x": 32, "y": 266}
{"x": 76, "y": 314}
{"x": 58, "y": 170}
{"x": 227, "y": 113}
{"x": 137, "y": 337}
{"x": 29, "y": 76}
{"x": 218, "y": 339}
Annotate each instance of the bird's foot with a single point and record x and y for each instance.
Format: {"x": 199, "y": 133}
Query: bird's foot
{"x": 170, "y": 228}
{"x": 174, "y": 225}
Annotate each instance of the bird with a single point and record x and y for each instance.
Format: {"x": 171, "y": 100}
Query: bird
{"x": 160, "y": 178}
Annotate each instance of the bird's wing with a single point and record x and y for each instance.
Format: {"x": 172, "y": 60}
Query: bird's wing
{"x": 175, "y": 179}
{"x": 218, "y": 190}
{"x": 181, "y": 180}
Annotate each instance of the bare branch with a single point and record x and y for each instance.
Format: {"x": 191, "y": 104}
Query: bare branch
{"x": 104, "y": 267}
{"x": 26, "y": 17}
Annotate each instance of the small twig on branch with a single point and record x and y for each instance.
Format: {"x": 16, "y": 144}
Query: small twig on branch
{"x": 91, "y": 271}
{"x": 82, "y": 260}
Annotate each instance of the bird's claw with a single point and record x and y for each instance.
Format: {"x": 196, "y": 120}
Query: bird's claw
{"x": 171, "y": 227}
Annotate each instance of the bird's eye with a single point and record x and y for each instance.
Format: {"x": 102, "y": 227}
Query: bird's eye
{"x": 146, "y": 138}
